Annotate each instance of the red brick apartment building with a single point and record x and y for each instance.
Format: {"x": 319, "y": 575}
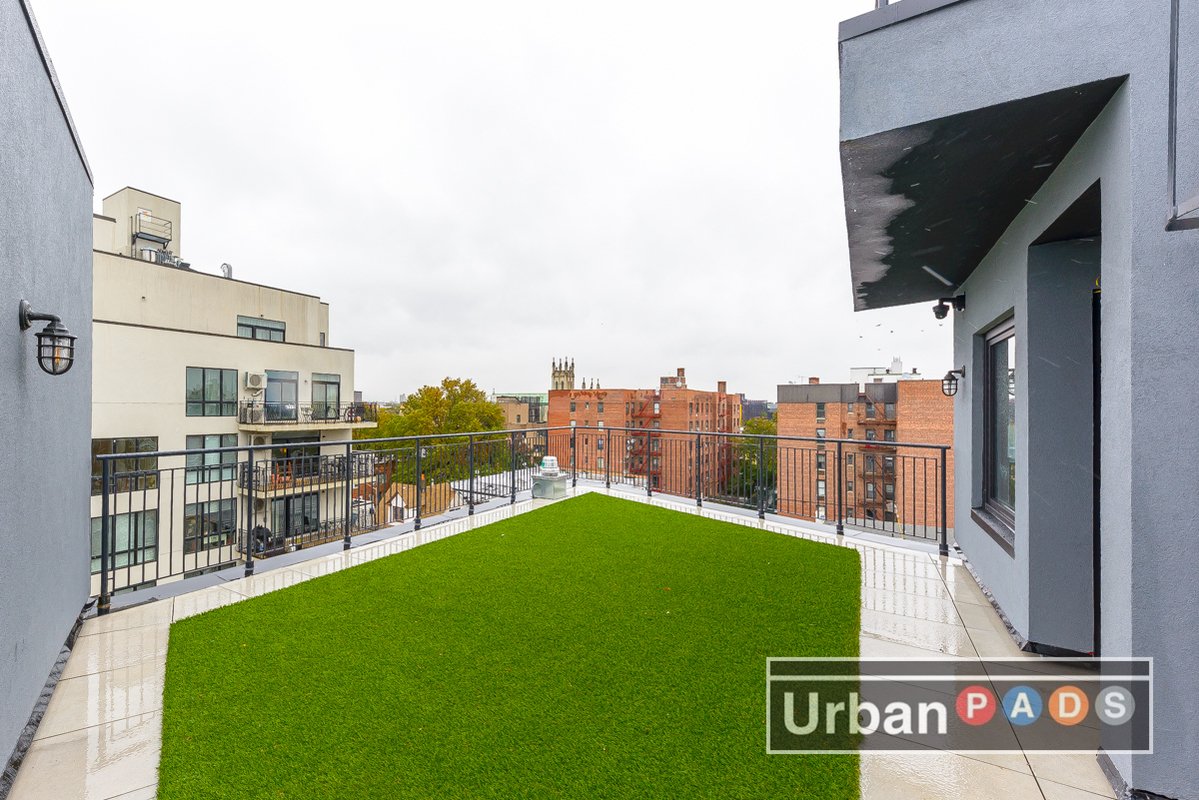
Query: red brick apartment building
{"x": 667, "y": 458}
{"x": 884, "y": 486}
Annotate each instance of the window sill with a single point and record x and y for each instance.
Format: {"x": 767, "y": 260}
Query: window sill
{"x": 997, "y": 529}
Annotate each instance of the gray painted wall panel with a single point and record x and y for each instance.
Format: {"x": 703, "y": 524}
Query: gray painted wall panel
{"x": 45, "y": 257}
{"x": 980, "y": 52}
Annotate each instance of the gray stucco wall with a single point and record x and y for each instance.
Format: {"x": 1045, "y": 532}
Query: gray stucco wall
{"x": 982, "y": 52}
{"x": 45, "y": 258}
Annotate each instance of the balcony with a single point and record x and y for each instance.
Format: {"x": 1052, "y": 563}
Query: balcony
{"x": 912, "y": 603}
{"x": 260, "y": 417}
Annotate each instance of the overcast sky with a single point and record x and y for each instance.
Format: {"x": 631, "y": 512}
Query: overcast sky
{"x": 476, "y": 188}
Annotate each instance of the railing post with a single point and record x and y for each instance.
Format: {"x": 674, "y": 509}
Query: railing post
{"x": 761, "y": 478}
{"x": 420, "y": 479}
{"x": 840, "y": 491}
{"x": 470, "y": 460}
{"x": 943, "y": 545}
{"x": 574, "y": 456}
{"x": 649, "y": 460}
{"x": 250, "y": 481}
{"x": 512, "y": 462}
{"x": 345, "y": 545}
{"x": 699, "y": 457}
{"x": 607, "y": 459}
{"x": 105, "y": 601}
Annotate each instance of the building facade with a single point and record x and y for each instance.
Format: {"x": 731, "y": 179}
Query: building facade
{"x": 663, "y": 455}
{"x": 523, "y": 409}
{"x": 1041, "y": 186}
{"x": 883, "y": 485}
{"x": 45, "y": 243}
{"x": 191, "y": 360}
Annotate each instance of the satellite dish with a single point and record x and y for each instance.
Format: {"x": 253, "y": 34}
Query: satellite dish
{"x": 227, "y": 270}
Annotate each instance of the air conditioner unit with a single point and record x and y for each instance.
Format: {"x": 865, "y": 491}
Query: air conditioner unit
{"x": 259, "y": 440}
{"x": 254, "y": 415}
{"x": 256, "y": 381}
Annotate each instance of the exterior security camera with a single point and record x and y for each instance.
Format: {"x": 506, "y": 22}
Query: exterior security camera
{"x": 941, "y": 310}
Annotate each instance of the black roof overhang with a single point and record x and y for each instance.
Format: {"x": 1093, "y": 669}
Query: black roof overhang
{"x": 924, "y": 204}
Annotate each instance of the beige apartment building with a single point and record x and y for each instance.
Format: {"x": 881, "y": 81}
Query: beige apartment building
{"x": 185, "y": 359}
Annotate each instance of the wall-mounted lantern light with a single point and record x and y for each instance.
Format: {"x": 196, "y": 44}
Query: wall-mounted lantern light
{"x": 941, "y": 309}
{"x": 949, "y": 384}
{"x": 55, "y": 344}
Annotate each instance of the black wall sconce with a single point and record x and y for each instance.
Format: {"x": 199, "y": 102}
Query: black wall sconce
{"x": 941, "y": 309}
{"x": 55, "y": 344}
{"x": 949, "y": 384}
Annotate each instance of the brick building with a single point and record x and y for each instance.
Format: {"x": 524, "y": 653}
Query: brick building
{"x": 664, "y": 452}
{"x": 884, "y": 485}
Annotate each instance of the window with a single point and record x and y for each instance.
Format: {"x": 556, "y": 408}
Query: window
{"x": 268, "y": 330}
{"x": 820, "y": 433}
{"x": 870, "y": 464}
{"x": 322, "y": 338}
{"x": 889, "y": 489}
{"x": 889, "y": 463}
{"x": 518, "y": 419}
{"x": 599, "y": 461}
{"x": 211, "y": 392}
{"x": 295, "y": 515}
{"x": 889, "y": 435}
{"x": 849, "y": 459}
{"x": 599, "y": 406}
{"x": 820, "y": 412}
{"x": 870, "y": 411}
{"x": 999, "y": 415}
{"x": 209, "y": 525}
{"x": 599, "y": 443}
{"x": 820, "y": 489}
{"x": 129, "y": 474}
{"x": 821, "y": 460}
{"x": 326, "y": 396}
{"x": 869, "y": 490}
{"x": 849, "y": 408}
{"x": 572, "y": 406}
{"x": 210, "y": 467}
{"x": 282, "y": 392}
{"x": 871, "y": 434}
{"x": 889, "y": 410}
{"x": 600, "y": 424}
{"x": 849, "y": 486}
{"x": 849, "y": 433}
{"x": 132, "y": 539}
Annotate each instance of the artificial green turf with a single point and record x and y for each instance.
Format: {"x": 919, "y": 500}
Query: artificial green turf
{"x": 595, "y": 648}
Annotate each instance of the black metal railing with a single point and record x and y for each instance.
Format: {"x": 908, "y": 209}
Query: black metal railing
{"x": 251, "y": 412}
{"x": 188, "y": 512}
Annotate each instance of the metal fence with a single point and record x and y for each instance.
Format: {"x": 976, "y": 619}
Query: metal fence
{"x": 169, "y": 515}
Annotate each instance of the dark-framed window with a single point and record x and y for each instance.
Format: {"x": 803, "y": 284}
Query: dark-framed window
{"x": 133, "y": 538}
{"x": 820, "y": 408}
{"x": 134, "y": 472}
{"x": 573, "y": 406}
{"x": 889, "y": 410}
{"x": 296, "y": 515}
{"x": 209, "y": 525}
{"x": 820, "y": 490}
{"x": 210, "y": 467}
{"x": 870, "y": 411}
{"x": 267, "y": 330}
{"x": 282, "y": 394}
{"x": 821, "y": 460}
{"x": 871, "y": 434}
{"x": 599, "y": 407}
{"x": 999, "y": 420}
{"x": 888, "y": 463}
{"x": 889, "y": 489}
{"x": 211, "y": 392}
{"x": 326, "y": 396}
{"x": 889, "y": 435}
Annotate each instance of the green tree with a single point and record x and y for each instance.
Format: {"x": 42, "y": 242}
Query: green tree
{"x": 442, "y": 413}
{"x": 741, "y": 486}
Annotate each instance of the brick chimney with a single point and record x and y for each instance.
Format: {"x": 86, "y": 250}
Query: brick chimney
{"x": 813, "y": 381}
{"x": 722, "y": 387}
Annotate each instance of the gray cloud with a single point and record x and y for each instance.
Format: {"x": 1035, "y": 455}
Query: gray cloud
{"x": 478, "y": 187}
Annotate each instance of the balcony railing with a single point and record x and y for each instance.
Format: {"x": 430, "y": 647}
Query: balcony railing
{"x": 187, "y": 512}
{"x": 252, "y": 412}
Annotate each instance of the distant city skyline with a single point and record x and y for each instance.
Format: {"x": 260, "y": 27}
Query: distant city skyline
{"x": 477, "y": 188}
